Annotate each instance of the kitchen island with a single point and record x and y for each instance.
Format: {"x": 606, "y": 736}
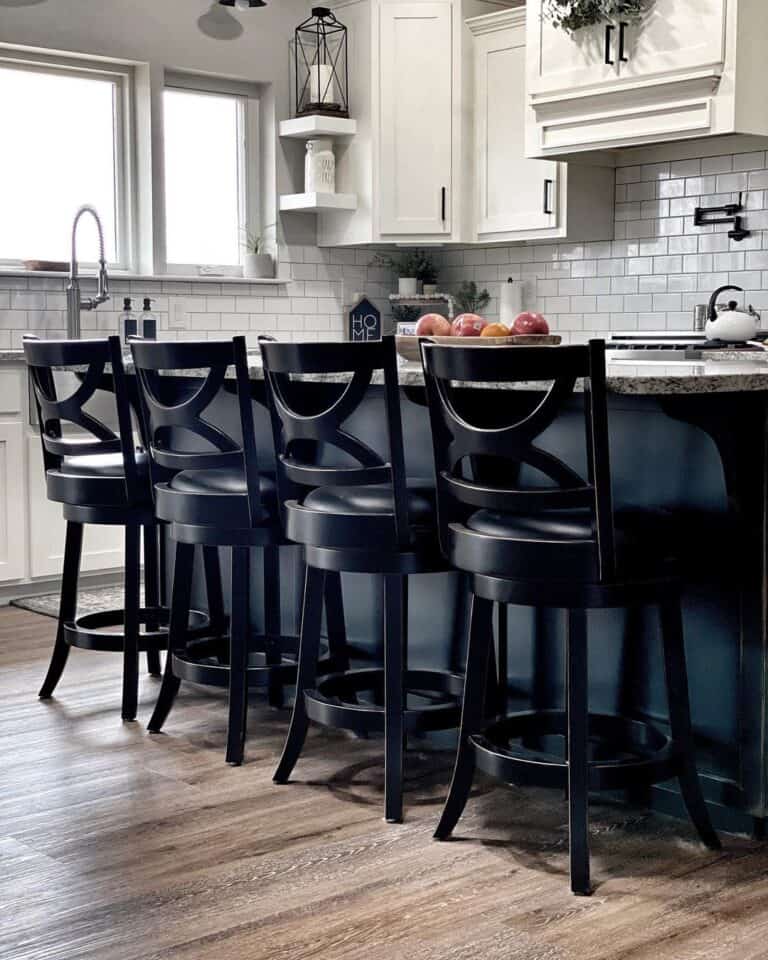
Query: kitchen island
{"x": 686, "y": 437}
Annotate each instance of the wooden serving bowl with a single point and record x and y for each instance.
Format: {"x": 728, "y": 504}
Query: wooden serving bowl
{"x": 408, "y": 347}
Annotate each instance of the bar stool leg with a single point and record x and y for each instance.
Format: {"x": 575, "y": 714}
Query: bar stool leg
{"x": 73, "y": 545}
{"x": 472, "y": 713}
{"x": 177, "y": 630}
{"x": 213, "y": 590}
{"x": 306, "y": 673}
{"x": 502, "y": 658}
{"x": 151, "y": 590}
{"x": 680, "y": 721}
{"x": 334, "y": 617}
{"x": 239, "y": 635}
{"x": 578, "y": 738}
{"x": 272, "y": 622}
{"x": 395, "y": 666}
{"x": 131, "y": 603}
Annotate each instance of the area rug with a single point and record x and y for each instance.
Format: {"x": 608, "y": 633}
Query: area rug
{"x": 88, "y": 601}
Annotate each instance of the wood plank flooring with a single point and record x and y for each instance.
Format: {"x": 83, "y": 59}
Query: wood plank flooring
{"x": 117, "y": 845}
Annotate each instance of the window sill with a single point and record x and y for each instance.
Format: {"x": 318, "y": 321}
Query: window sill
{"x": 155, "y": 278}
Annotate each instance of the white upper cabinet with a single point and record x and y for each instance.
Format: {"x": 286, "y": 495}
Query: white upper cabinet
{"x": 675, "y": 36}
{"x": 688, "y": 68}
{"x": 561, "y": 62}
{"x": 416, "y": 119}
{"x": 518, "y": 198}
{"x": 407, "y": 94}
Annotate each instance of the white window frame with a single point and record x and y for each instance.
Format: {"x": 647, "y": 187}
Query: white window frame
{"x": 249, "y": 213}
{"x": 122, "y": 77}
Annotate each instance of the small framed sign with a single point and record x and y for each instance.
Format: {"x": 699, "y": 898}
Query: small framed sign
{"x": 364, "y": 321}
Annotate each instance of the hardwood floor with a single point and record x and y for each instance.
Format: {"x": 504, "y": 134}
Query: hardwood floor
{"x": 117, "y": 845}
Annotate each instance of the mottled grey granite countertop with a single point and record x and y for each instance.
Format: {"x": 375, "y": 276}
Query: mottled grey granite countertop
{"x": 721, "y": 372}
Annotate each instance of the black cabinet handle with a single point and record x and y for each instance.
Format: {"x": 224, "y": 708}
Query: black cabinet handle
{"x": 608, "y": 37}
{"x": 442, "y": 203}
{"x": 547, "y": 185}
{"x": 622, "y": 40}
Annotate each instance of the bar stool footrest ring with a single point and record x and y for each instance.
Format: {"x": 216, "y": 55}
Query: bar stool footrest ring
{"x": 529, "y": 748}
{"x": 433, "y": 700}
{"x": 98, "y": 630}
{"x": 273, "y": 658}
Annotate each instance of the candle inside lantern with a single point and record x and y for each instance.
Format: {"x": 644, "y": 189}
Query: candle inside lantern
{"x": 322, "y": 84}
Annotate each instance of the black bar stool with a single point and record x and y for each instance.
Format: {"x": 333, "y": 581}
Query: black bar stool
{"x": 99, "y": 476}
{"x": 533, "y": 532}
{"x": 209, "y": 488}
{"x": 354, "y": 511}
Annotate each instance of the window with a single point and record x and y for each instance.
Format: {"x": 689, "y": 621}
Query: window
{"x": 207, "y": 210}
{"x": 63, "y": 145}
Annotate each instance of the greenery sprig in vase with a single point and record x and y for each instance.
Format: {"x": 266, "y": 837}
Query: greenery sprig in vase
{"x": 572, "y": 15}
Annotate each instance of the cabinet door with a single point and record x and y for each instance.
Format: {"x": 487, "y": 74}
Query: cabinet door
{"x": 414, "y": 177}
{"x": 675, "y": 36}
{"x": 13, "y": 503}
{"x": 563, "y": 61}
{"x": 514, "y": 194}
{"x": 102, "y": 544}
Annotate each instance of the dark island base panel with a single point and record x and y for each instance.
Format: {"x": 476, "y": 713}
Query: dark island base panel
{"x": 700, "y": 456}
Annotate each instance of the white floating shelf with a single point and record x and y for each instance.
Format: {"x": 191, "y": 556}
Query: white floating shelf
{"x": 318, "y": 201}
{"x": 306, "y": 128}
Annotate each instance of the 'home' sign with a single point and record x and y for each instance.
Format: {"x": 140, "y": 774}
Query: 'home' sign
{"x": 364, "y": 321}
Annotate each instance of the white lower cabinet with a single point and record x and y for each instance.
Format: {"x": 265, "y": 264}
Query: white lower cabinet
{"x": 518, "y": 198}
{"x": 102, "y": 545}
{"x": 13, "y": 502}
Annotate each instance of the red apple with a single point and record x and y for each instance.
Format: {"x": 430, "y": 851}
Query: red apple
{"x": 528, "y": 323}
{"x": 468, "y": 325}
{"x": 433, "y": 325}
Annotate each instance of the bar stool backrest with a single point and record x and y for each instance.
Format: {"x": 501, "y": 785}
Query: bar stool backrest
{"x": 98, "y": 364}
{"x": 471, "y": 458}
{"x": 300, "y": 436}
{"x": 173, "y": 419}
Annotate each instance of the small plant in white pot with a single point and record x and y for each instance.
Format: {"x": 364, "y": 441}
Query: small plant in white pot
{"x": 257, "y": 264}
{"x": 426, "y": 273}
{"x": 408, "y": 268}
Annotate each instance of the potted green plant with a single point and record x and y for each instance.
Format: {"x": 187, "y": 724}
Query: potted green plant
{"x": 405, "y": 267}
{"x": 257, "y": 264}
{"x": 426, "y": 273}
{"x": 469, "y": 299}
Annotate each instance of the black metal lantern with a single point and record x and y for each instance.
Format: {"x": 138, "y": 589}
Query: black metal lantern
{"x": 322, "y": 75}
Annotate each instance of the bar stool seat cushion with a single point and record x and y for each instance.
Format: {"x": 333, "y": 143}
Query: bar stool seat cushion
{"x": 560, "y": 543}
{"x": 102, "y": 465}
{"x": 216, "y": 496}
{"x": 374, "y": 499}
{"x": 96, "y": 480}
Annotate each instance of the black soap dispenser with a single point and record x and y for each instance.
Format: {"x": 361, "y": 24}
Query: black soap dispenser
{"x": 128, "y": 326}
{"x": 148, "y": 321}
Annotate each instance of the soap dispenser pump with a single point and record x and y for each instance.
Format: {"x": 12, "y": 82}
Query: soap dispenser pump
{"x": 128, "y": 326}
{"x": 148, "y": 321}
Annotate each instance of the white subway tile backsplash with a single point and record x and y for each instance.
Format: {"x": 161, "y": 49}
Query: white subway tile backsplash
{"x": 27, "y": 300}
{"x": 649, "y": 276}
{"x": 685, "y": 168}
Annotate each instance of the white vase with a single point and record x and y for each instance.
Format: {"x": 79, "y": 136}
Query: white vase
{"x": 258, "y": 266}
{"x": 319, "y": 167}
{"x": 407, "y": 286}
{"x": 430, "y": 289}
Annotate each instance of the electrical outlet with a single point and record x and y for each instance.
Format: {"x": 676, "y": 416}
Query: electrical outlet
{"x": 178, "y": 318}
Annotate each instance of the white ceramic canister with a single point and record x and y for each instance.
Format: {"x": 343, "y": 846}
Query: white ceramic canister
{"x": 319, "y": 167}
